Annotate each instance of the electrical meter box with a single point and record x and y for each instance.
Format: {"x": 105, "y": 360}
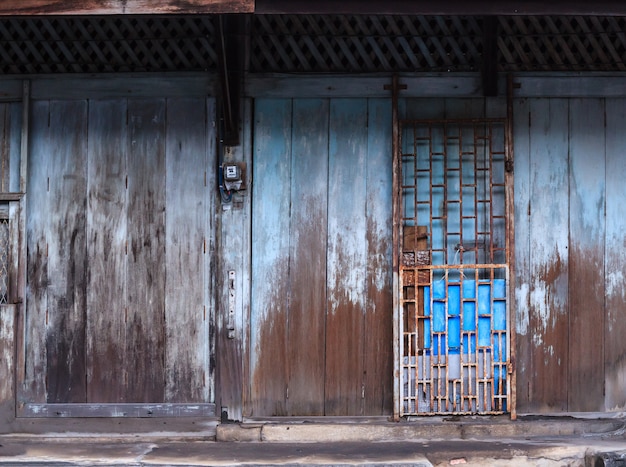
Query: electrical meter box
{"x": 234, "y": 175}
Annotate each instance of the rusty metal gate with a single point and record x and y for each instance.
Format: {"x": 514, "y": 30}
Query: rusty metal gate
{"x": 453, "y": 268}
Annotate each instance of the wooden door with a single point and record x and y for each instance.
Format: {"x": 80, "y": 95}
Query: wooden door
{"x": 321, "y": 258}
{"x": 119, "y": 215}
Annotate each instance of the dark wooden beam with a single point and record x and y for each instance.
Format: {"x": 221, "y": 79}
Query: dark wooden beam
{"x": 445, "y": 7}
{"x": 121, "y": 7}
{"x": 489, "y": 69}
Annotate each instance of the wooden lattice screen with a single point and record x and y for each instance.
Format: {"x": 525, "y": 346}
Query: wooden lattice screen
{"x": 311, "y": 43}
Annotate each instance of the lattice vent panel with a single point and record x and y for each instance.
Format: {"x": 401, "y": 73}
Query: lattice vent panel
{"x": 316, "y": 43}
{"x": 106, "y": 44}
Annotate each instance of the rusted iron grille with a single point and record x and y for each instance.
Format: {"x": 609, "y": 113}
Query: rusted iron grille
{"x": 4, "y": 261}
{"x": 453, "y": 270}
{"x": 106, "y": 44}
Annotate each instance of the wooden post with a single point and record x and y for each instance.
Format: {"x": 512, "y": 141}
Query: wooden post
{"x": 7, "y": 364}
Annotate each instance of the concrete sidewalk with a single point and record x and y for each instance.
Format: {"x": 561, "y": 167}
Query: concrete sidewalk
{"x": 433, "y": 442}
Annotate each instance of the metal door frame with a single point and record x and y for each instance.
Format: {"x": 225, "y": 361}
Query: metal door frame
{"x": 423, "y": 272}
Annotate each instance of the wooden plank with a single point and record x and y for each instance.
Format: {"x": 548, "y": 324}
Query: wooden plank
{"x": 346, "y": 257}
{"x": 586, "y": 255}
{"x": 120, "y": 410}
{"x": 270, "y": 257}
{"x": 210, "y": 263}
{"x": 106, "y": 251}
{"x": 123, "y": 7}
{"x": 145, "y": 336}
{"x": 569, "y": 85}
{"x": 236, "y": 249}
{"x": 186, "y": 324}
{"x": 38, "y": 222}
{"x": 548, "y": 255}
{"x": 7, "y": 357}
{"x": 5, "y": 145}
{"x": 377, "y": 331}
{"x": 615, "y": 258}
{"x": 443, "y": 7}
{"x": 109, "y": 87}
{"x": 308, "y": 233}
{"x": 67, "y": 250}
{"x": 522, "y": 352}
{"x": 430, "y": 85}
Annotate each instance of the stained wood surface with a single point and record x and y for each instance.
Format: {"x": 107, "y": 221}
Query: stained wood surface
{"x": 145, "y": 322}
{"x": 378, "y": 319}
{"x": 307, "y": 256}
{"x": 615, "y": 258}
{"x": 33, "y": 387}
{"x": 10, "y": 131}
{"x": 548, "y": 280}
{"x": 120, "y": 253}
{"x": 67, "y": 251}
{"x": 346, "y": 257}
{"x": 186, "y": 366}
{"x": 7, "y": 354}
{"x": 321, "y": 299}
{"x": 106, "y": 251}
{"x": 120, "y": 7}
{"x": 586, "y": 250}
{"x": 521, "y": 312}
{"x": 269, "y": 340}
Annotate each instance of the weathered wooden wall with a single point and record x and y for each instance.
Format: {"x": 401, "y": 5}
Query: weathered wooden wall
{"x": 119, "y": 216}
{"x": 120, "y": 7}
{"x": 569, "y": 174}
{"x": 321, "y": 258}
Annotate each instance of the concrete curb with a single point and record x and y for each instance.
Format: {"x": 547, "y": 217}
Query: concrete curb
{"x": 311, "y": 432}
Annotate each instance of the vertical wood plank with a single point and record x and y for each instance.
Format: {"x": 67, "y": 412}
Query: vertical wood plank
{"x": 309, "y": 200}
{"x": 210, "y": 263}
{"x": 106, "y": 251}
{"x": 65, "y": 340}
{"x": 270, "y": 256}
{"x": 378, "y": 333}
{"x": 548, "y": 254}
{"x": 7, "y": 358}
{"x": 15, "y": 147}
{"x": 346, "y": 257}
{"x": 615, "y": 257}
{"x": 38, "y": 221}
{"x": 521, "y": 178}
{"x": 145, "y": 325}
{"x": 586, "y": 248}
{"x": 5, "y": 146}
{"x": 185, "y": 217}
{"x": 235, "y": 256}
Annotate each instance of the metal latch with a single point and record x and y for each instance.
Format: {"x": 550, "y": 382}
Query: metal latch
{"x": 231, "y": 305}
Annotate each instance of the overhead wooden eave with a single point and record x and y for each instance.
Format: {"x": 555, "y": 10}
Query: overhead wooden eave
{"x": 443, "y": 7}
{"x": 122, "y": 7}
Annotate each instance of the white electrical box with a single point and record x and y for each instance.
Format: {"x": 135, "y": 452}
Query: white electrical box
{"x": 234, "y": 175}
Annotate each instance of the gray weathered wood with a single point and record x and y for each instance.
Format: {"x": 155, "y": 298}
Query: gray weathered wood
{"x": 186, "y": 369}
{"x": 346, "y": 257}
{"x": 615, "y": 258}
{"x": 270, "y": 257}
{"x": 116, "y": 410}
{"x": 309, "y": 198}
{"x": 521, "y": 313}
{"x": 377, "y": 330}
{"x": 145, "y": 322}
{"x": 7, "y": 355}
{"x": 66, "y": 249}
{"x": 38, "y": 219}
{"x": 106, "y": 251}
{"x": 586, "y": 255}
{"x": 548, "y": 280}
